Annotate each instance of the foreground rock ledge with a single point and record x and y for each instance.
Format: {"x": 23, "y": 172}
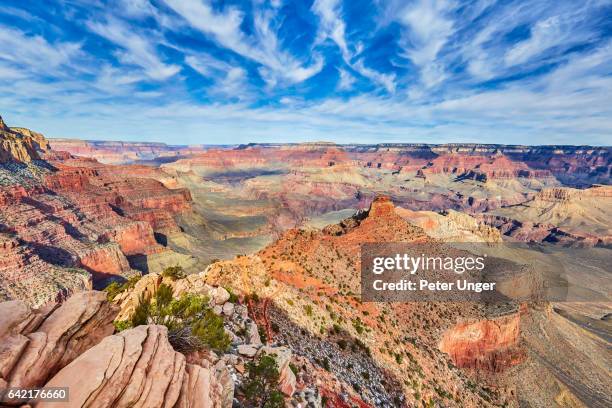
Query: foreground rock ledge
{"x": 36, "y": 344}
{"x": 72, "y": 345}
{"x": 139, "y": 368}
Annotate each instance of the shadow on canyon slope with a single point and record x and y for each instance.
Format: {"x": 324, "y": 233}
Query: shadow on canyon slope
{"x": 346, "y": 357}
{"x": 52, "y": 254}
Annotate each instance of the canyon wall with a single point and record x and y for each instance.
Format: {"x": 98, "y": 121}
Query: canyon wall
{"x": 67, "y": 223}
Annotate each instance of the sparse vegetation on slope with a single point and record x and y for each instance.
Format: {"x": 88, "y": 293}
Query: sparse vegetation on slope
{"x": 261, "y": 387}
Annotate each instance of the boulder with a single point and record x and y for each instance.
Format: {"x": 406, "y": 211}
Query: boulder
{"x": 219, "y": 295}
{"x": 194, "y": 284}
{"x": 248, "y": 350}
{"x": 253, "y": 333}
{"x": 228, "y": 309}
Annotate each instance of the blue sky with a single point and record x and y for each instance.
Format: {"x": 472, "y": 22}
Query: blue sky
{"x": 198, "y": 71}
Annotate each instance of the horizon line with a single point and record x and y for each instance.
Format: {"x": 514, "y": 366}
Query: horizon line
{"x": 270, "y": 144}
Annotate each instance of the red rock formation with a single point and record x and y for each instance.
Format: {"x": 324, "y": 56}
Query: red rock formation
{"x": 502, "y": 168}
{"x": 74, "y": 179}
{"x": 489, "y": 345}
{"x": 121, "y": 152}
{"x": 105, "y": 260}
{"x": 455, "y": 163}
{"x": 133, "y": 238}
{"x": 381, "y": 206}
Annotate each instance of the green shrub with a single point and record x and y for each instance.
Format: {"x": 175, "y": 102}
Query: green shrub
{"x": 233, "y": 297}
{"x": 358, "y": 326}
{"x": 121, "y": 325}
{"x": 189, "y": 305}
{"x": 209, "y": 330}
{"x": 261, "y": 385}
{"x": 142, "y": 312}
{"x": 191, "y": 323}
{"x": 115, "y": 288}
{"x": 262, "y": 334}
{"x": 163, "y": 296}
{"x": 308, "y": 310}
{"x": 112, "y": 290}
{"x": 174, "y": 272}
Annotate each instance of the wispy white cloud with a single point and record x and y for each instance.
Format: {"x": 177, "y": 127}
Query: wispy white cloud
{"x": 346, "y": 80}
{"x": 229, "y": 81}
{"x": 331, "y": 24}
{"x": 554, "y": 31}
{"x": 386, "y": 80}
{"x": 137, "y": 49}
{"x": 554, "y": 28}
{"x": 513, "y": 114}
{"x": 428, "y": 28}
{"x": 25, "y": 50}
{"x": 207, "y": 65}
{"x": 262, "y": 47}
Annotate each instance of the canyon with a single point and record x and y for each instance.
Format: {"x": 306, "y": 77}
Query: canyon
{"x": 271, "y": 236}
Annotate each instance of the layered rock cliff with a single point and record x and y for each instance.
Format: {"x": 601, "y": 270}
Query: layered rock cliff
{"x": 68, "y": 223}
{"x": 564, "y": 215}
{"x": 20, "y": 145}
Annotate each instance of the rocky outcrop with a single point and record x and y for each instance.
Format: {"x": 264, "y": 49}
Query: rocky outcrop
{"x": 560, "y": 194}
{"x": 20, "y": 145}
{"x": 25, "y": 276}
{"x": 452, "y": 226}
{"x": 139, "y": 368}
{"x": 36, "y": 344}
{"x": 75, "y": 221}
{"x": 489, "y": 345}
{"x": 502, "y": 168}
{"x": 71, "y": 345}
{"x": 110, "y": 152}
{"x": 559, "y": 215}
{"x": 148, "y": 285}
{"x": 145, "y": 287}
